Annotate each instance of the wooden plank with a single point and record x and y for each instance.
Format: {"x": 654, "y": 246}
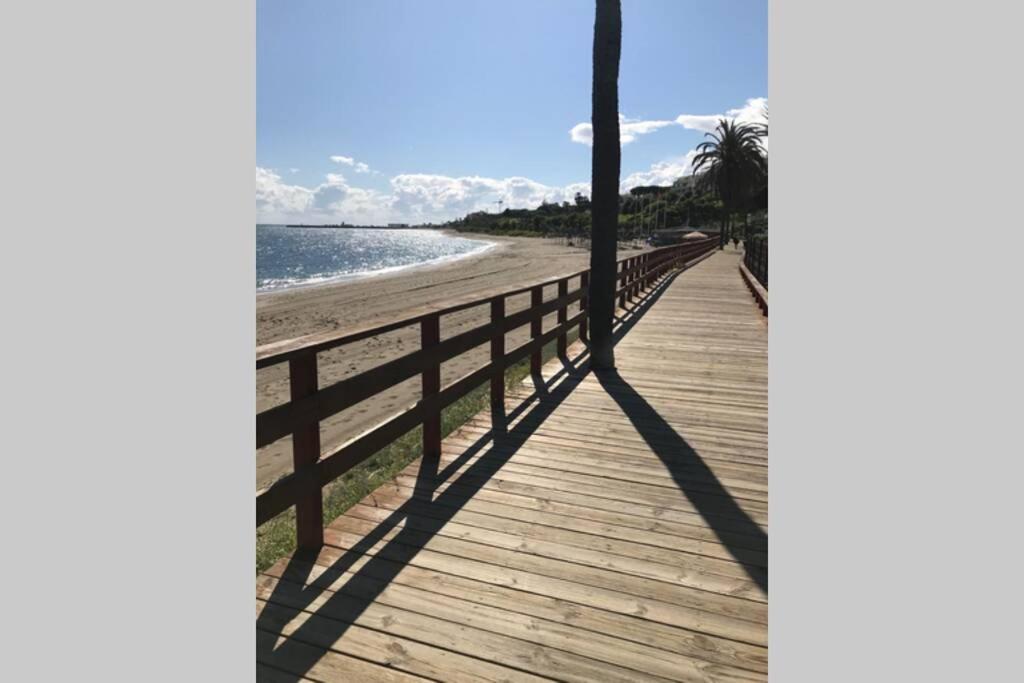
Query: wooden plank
{"x": 543, "y": 647}
{"x": 696, "y": 596}
{"x": 716, "y": 575}
{"x": 481, "y": 635}
{"x": 752, "y": 472}
{"x": 568, "y": 549}
{"x": 711, "y": 505}
{"x": 631, "y": 634}
{"x": 267, "y": 674}
{"x": 278, "y": 654}
{"x": 578, "y": 530}
{"x": 611, "y": 465}
{"x": 614, "y": 524}
{"x": 701, "y": 485}
{"x": 560, "y": 587}
{"x": 644, "y": 512}
{"x": 383, "y": 649}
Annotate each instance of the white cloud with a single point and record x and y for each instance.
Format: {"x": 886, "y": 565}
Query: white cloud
{"x": 705, "y": 123}
{"x": 751, "y": 112}
{"x": 667, "y": 171}
{"x": 426, "y": 198}
{"x": 275, "y": 200}
{"x": 630, "y": 129}
{"x": 431, "y": 198}
{"x": 357, "y": 166}
{"x": 661, "y": 173}
{"x": 583, "y": 133}
{"x": 413, "y": 198}
{"x": 332, "y": 200}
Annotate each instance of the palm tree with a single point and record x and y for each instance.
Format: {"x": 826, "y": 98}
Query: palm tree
{"x": 604, "y": 180}
{"x": 734, "y": 164}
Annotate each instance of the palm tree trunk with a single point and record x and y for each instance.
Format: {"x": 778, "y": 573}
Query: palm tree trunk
{"x": 604, "y": 183}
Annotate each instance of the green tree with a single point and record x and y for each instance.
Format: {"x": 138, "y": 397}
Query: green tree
{"x": 733, "y": 164}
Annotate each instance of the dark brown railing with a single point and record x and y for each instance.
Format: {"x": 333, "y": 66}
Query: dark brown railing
{"x": 755, "y": 258}
{"x": 309, "y": 404}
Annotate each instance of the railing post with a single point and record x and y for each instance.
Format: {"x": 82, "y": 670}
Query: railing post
{"x": 638, "y": 283}
{"x": 584, "y": 303}
{"x": 563, "y": 290}
{"x": 622, "y": 282}
{"x": 498, "y": 358}
{"x": 536, "y": 325}
{"x": 430, "y": 335}
{"x": 309, "y": 510}
{"x": 631, "y": 278}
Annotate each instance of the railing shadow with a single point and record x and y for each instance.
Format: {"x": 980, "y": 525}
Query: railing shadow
{"x": 297, "y": 591}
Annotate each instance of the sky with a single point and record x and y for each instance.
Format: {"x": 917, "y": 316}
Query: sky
{"x": 402, "y": 111}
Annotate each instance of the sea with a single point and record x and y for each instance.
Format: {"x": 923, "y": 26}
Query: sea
{"x": 293, "y": 257}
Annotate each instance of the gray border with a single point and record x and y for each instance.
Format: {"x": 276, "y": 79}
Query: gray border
{"x": 895, "y": 341}
{"x": 128, "y": 157}
{"x": 128, "y": 154}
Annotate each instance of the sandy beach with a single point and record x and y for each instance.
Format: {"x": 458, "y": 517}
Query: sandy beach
{"x": 512, "y": 263}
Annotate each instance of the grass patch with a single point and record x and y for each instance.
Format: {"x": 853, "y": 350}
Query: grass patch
{"x": 276, "y": 538}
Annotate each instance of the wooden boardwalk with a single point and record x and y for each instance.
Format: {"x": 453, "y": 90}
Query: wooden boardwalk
{"x": 612, "y": 528}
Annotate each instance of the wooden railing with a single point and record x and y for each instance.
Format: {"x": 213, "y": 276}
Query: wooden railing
{"x": 309, "y": 404}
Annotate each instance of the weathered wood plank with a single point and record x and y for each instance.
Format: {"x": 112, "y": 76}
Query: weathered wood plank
{"x": 616, "y": 531}
{"x": 632, "y": 634}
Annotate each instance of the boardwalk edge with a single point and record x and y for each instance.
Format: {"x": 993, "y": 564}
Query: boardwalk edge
{"x": 759, "y": 292}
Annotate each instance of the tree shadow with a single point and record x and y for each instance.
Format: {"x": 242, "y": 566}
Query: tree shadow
{"x": 417, "y": 521}
{"x": 737, "y": 532}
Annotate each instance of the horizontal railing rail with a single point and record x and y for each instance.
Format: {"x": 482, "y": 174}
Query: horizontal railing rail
{"x": 310, "y": 404}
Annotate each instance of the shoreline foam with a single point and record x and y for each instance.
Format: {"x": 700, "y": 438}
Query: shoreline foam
{"x": 359, "y": 275}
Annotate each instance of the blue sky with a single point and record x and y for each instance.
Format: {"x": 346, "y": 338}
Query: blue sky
{"x": 410, "y": 111}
